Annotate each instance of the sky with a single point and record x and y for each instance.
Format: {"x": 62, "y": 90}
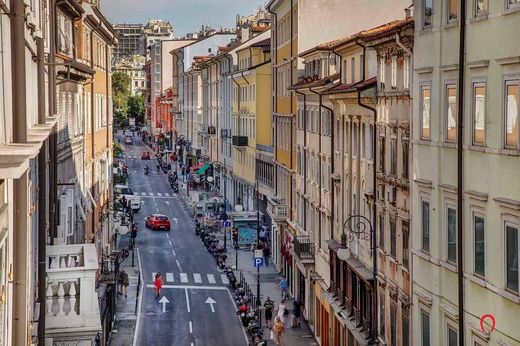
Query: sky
{"x": 185, "y": 15}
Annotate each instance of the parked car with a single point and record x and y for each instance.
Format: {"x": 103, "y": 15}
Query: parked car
{"x": 135, "y": 201}
{"x": 145, "y": 155}
{"x": 157, "y": 221}
{"x": 129, "y": 140}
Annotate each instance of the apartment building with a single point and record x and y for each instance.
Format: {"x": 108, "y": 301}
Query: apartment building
{"x": 133, "y": 67}
{"x": 490, "y": 202}
{"x": 157, "y": 30}
{"x": 131, "y": 41}
{"x": 393, "y": 44}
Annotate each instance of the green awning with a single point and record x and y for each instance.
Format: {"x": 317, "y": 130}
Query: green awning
{"x": 204, "y": 168}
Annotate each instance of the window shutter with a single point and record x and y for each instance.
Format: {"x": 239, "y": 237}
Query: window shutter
{"x": 69, "y": 224}
{"x": 62, "y": 216}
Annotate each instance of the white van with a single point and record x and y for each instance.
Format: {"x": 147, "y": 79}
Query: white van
{"x": 135, "y": 201}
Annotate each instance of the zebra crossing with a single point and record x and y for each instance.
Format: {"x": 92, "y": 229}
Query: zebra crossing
{"x": 193, "y": 278}
{"x": 156, "y": 194}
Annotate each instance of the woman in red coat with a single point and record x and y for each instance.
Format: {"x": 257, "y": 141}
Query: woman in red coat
{"x": 158, "y": 283}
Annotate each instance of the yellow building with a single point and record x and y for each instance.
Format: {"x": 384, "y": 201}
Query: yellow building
{"x": 251, "y": 110}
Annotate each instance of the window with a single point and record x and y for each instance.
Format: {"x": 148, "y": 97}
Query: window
{"x": 393, "y": 156}
{"x": 394, "y": 72}
{"x": 352, "y": 69}
{"x": 425, "y": 112}
{"x": 481, "y": 7}
{"x": 451, "y": 113}
{"x": 382, "y": 231}
{"x": 405, "y": 325}
{"x": 452, "y": 10}
{"x": 405, "y": 230}
{"x": 393, "y": 241}
{"x": 513, "y": 3}
{"x": 425, "y": 328}
{"x": 512, "y": 257}
{"x": 452, "y": 336}
{"x": 406, "y": 149}
{"x": 382, "y": 63}
{"x": 479, "y": 261}
{"x": 393, "y": 324}
{"x": 427, "y": 14}
{"x": 479, "y": 112}
{"x": 425, "y": 226}
{"x": 451, "y": 227}
{"x": 382, "y": 314}
{"x": 382, "y": 154}
{"x": 511, "y": 113}
{"x": 406, "y": 73}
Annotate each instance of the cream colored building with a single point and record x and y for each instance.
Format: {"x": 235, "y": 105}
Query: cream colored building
{"x": 491, "y": 193}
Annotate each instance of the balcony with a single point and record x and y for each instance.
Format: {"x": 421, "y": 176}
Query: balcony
{"x": 278, "y": 211}
{"x": 203, "y": 130}
{"x": 357, "y": 316}
{"x": 72, "y": 311}
{"x": 348, "y": 306}
{"x": 224, "y": 133}
{"x": 366, "y": 327}
{"x": 304, "y": 248}
{"x": 240, "y": 141}
{"x": 212, "y": 130}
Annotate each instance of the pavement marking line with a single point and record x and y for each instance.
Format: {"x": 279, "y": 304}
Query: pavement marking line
{"x": 143, "y": 193}
{"x": 169, "y": 277}
{"x": 215, "y": 288}
{"x": 159, "y": 194}
{"x": 187, "y": 300}
{"x": 211, "y": 279}
{"x": 236, "y": 307}
{"x": 140, "y": 298}
{"x": 179, "y": 266}
{"x": 224, "y": 278}
{"x": 153, "y": 276}
{"x": 167, "y": 194}
{"x": 191, "y": 328}
{"x": 151, "y": 194}
{"x": 173, "y": 250}
{"x": 169, "y": 241}
{"x": 184, "y": 276}
{"x": 198, "y": 278}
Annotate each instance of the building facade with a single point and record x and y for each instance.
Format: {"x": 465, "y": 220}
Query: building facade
{"x": 131, "y": 41}
{"x": 134, "y": 68}
{"x": 490, "y": 213}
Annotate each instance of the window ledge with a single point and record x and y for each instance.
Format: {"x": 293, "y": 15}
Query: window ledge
{"x": 422, "y": 141}
{"x": 475, "y": 147}
{"x": 425, "y": 30}
{"x": 425, "y": 256}
{"x": 451, "y": 24}
{"x": 479, "y": 17}
{"x": 448, "y": 145}
{"x": 476, "y": 280}
{"x": 450, "y": 266}
{"x": 512, "y": 9}
{"x": 510, "y": 152}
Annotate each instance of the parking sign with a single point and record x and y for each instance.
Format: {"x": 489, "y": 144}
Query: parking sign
{"x": 258, "y": 262}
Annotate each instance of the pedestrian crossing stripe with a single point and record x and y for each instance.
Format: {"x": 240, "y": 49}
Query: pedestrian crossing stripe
{"x": 196, "y": 278}
{"x": 167, "y": 194}
{"x": 143, "y": 193}
{"x": 159, "y": 194}
{"x": 151, "y": 193}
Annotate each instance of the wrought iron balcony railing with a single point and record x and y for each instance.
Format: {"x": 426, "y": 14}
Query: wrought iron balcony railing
{"x": 304, "y": 248}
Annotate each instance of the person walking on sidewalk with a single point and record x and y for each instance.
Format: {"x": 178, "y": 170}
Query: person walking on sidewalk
{"x": 297, "y": 312}
{"x": 123, "y": 283}
{"x": 158, "y": 283}
{"x": 269, "y": 306}
{"x": 278, "y": 329}
{"x": 267, "y": 254}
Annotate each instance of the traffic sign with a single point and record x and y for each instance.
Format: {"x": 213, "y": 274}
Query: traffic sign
{"x": 258, "y": 262}
{"x": 258, "y": 253}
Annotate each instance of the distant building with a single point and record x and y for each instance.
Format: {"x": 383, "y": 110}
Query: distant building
{"x": 157, "y": 30}
{"x": 131, "y": 40}
{"x": 134, "y": 68}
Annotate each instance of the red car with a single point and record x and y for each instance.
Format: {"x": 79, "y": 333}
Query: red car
{"x": 157, "y": 221}
{"x": 145, "y": 155}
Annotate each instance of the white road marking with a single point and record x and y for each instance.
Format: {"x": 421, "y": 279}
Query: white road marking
{"x": 169, "y": 277}
{"x": 191, "y": 328}
{"x": 179, "y": 266}
{"x": 169, "y": 241}
{"x": 217, "y": 288}
{"x": 159, "y": 194}
{"x": 140, "y": 299}
{"x": 155, "y": 197}
{"x": 173, "y": 250}
{"x": 167, "y": 194}
{"x": 224, "y": 278}
{"x": 153, "y": 276}
{"x": 187, "y": 300}
{"x": 197, "y": 278}
{"x": 151, "y": 194}
{"x": 184, "y": 277}
{"x": 143, "y": 193}
{"x": 211, "y": 279}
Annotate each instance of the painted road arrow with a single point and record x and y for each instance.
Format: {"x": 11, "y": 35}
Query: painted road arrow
{"x": 164, "y": 301}
{"x": 211, "y": 302}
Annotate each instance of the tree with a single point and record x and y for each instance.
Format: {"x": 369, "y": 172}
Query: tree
{"x": 121, "y": 83}
{"x": 136, "y": 108}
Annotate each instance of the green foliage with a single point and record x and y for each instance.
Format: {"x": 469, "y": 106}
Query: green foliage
{"x": 121, "y": 84}
{"x": 136, "y": 108}
{"x": 117, "y": 150}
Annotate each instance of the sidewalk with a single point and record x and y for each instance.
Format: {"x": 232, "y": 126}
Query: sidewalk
{"x": 126, "y": 318}
{"x": 269, "y": 280}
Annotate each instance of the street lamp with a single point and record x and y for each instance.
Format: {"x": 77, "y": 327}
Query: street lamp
{"x": 258, "y": 302}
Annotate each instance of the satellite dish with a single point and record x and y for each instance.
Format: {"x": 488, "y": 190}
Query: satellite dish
{"x": 238, "y": 207}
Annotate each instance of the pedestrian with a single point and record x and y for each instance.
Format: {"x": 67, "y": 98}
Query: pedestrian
{"x": 267, "y": 254}
{"x": 261, "y": 235}
{"x": 269, "y": 306}
{"x": 124, "y": 282}
{"x": 278, "y": 330}
{"x": 158, "y": 283}
{"x": 120, "y": 283}
{"x": 297, "y": 311}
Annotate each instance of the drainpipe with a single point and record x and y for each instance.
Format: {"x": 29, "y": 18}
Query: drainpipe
{"x": 331, "y": 164}
{"x": 319, "y": 158}
{"x": 238, "y": 102}
{"x": 42, "y": 192}
{"x": 374, "y": 207}
{"x": 305, "y": 156}
{"x": 291, "y": 108}
{"x": 460, "y": 169}
{"x": 275, "y": 99}
{"x": 53, "y": 154}
{"x": 19, "y": 94}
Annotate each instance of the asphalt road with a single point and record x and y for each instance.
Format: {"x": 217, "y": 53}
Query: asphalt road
{"x": 191, "y": 278}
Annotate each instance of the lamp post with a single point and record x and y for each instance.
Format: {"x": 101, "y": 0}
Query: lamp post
{"x": 225, "y": 210}
{"x": 361, "y": 226}
{"x": 258, "y": 302}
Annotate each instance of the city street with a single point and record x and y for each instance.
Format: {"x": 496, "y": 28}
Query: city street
{"x": 186, "y": 315}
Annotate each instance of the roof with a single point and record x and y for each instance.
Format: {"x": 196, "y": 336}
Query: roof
{"x": 352, "y": 87}
{"x": 313, "y": 82}
{"x": 264, "y": 44}
{"x": 258, "y": 28}
{"x": 372, "y": 33}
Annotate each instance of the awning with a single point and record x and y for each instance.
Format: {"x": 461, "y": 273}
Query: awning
{"x": 204, "y": 168}
{"x": 196, "y": 167}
